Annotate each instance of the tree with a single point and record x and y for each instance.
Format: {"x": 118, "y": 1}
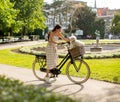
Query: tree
{"x": 56, "y": 8}
{"x": 115, "y": 27}
{"x": 85, "y": 18}
{"x": 30, "y": 14}
{"x": 100, "y": 26}
{"x": 8, "y": 17}
{"x": 58, "y": 11}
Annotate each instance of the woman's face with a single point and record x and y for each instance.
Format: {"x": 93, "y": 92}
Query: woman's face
{"x": 58, "y": 30}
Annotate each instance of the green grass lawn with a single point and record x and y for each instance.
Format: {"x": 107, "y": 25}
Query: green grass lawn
{"x": 101, "y": 69}
{"x": 105, "y": 69}
{"x": 15, "y": 59}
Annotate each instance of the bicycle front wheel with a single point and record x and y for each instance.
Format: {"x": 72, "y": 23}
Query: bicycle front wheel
{"x": 78, "y": 71}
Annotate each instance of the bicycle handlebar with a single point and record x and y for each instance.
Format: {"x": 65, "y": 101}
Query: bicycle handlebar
{"x": 67, "y": 44}
{"x": 62, "y": 43}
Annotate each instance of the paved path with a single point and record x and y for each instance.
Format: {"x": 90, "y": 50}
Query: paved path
{"x": 19, "y": 44}
{"x": 91, "y": 91}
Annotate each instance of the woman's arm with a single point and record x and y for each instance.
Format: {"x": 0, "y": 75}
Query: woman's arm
{"x": 63, "y": 38}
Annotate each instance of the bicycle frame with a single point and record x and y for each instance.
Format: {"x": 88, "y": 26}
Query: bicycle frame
{"x": 64, "y": 60}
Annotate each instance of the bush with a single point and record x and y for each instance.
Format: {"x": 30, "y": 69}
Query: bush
{"x": 15, "y": 91}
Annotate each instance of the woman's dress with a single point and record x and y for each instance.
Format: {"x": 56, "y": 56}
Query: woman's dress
{"x": 51, "y": 54}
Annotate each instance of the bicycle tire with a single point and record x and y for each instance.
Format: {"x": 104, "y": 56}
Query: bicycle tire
{"x": 83, "y": 73}
{"x": 36, "y": 68}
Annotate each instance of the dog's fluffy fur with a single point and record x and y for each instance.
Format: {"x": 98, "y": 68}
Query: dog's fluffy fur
{"x": 74, "y": 43}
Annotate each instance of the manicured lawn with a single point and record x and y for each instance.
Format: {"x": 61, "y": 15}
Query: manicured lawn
{"x": 15, "y": 59}
{"x": 105, "y": 69}
{"x": 101, "y": 69}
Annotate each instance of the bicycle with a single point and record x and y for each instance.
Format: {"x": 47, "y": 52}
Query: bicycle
{"x": 75, "y": 65}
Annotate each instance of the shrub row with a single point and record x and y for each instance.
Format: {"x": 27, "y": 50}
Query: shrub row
{"x": 115, "y": 54}
{"x": 12, "y": 90}
{"x": 102, "y": 56}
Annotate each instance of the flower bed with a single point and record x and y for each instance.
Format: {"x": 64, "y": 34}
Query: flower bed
{"x": 62, "y": 52}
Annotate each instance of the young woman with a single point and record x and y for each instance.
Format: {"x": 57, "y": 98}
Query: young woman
{"x": 51, "y": 49}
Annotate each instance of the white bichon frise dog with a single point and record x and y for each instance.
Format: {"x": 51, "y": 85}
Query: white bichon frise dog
{"x": 76, "y": 43}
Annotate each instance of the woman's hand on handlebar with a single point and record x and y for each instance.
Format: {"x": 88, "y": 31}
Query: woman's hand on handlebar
{"x": 62, "y": 43}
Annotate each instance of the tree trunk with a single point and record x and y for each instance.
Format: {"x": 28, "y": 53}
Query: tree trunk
{"x": 10, "y": 31}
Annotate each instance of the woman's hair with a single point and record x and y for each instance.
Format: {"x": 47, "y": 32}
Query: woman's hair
{"x": 56, "y": 27}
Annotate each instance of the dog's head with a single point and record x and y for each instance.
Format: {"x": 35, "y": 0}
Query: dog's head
{"x": 73, "y": 38}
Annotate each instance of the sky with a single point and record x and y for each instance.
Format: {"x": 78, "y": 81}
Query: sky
{"x": 111, "y": 4}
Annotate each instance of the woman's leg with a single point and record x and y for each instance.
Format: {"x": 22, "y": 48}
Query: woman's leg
{"x": 47, "y": 73}
{"x": 47, "y": 76}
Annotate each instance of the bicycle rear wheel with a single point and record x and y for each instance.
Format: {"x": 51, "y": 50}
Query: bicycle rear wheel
{"x": 39, "y": 63}
{"x": 78, "y": 71}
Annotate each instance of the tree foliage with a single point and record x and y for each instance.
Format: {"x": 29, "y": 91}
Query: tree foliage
{"x": 83, "y": 18}
{"x": 8, "y": 16}
{"x": 59, "y": 10}
{"x": 31, "y": 14}
{"x": 21, "y": 15}
{"x": 100, "y": 26}
{"x": 86, "y": 20}
{"x": 115, "y": 27}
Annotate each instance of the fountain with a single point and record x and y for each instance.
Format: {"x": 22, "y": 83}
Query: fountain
{"x": 97, "y": 47}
